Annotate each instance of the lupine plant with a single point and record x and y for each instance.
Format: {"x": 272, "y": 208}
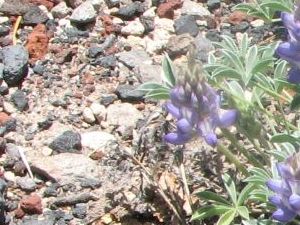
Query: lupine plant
{"x": 255, "y": 90}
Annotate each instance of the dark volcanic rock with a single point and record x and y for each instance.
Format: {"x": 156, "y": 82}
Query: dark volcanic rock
{"x": 4, "y": 30}
{"x": 66, "y": 142}
{"x": 213, "y": 4}
{"x": 15, "y": 60}
{"x": 109, "y": 61}
{"x": 74, "y": 199}
{"x": 34, "y": 16}
{"x": 130, "y": 11}
{"x": 80, "y": 210}
{"x": 112, "y": 3}
{"x": 129, "y": 93}
{"x": 186, "y": 24}
{"x": 20, "y": 100}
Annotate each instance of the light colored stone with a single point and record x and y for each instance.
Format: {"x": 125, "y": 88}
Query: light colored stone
{"x": 123, "y": 114}
{"x": 84, "y": 13}
{"x": 158, "y": 41}
{"x": 165, "y": 24}
{"x": 60, "y": 10}
{"x": 98, "y": 4}
{"x": 134, "y": 58}
{"x": 88, "y": 115}
{"x": 10, "y": 176}
{"x": 135, "y": 28}
{"x": 150, "y": 12}
{"x": 99, "y": 140}
{"x": 74, "y": 168}
{"x": 99, "y": 111}
{"x": 194, "y": 9}
{"x": 9, "y": 108}
{"x": 257, "y": 23}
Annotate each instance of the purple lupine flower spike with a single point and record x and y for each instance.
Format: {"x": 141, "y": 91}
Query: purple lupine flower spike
{"x": 290, "y": 51}
{"x": 287, "y": 189}
{"x": 196, "y": 106}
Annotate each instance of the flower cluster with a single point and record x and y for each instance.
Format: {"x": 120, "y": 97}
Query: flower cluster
{"x": 287, "y": 190}
{"x": 196, "y": 106}
{"x": 290, "y": 51}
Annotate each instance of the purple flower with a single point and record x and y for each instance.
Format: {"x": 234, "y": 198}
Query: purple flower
{"x": 196, "y": 106}
{"x": 287, "y": 189}
{"x": 290, "y": 51}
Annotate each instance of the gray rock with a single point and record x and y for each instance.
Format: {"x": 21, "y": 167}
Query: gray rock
{"x": 90, "y": 183}
{"x": 1, "y": 71}
{"x": 4, "y": 30}
{"x": 108, "y": 99}
{"x": 80, "y": 210}
{"x": 15, "y": 60}
{"x": 99, "y": 140}
{"x": 35, "y": 16}
{"x": 241, "y": 27}
{"x": 74, "y": 199}
{"x": 179, "y": 45}
{"x": 74, "y": 168}
{"x": 33, "y": 221}
{"x": 109, "y": 61}
{"x": 84, "y": 13}
{"x": 20, "y": 100}
{"x": 203, "y": 47}
{"x": 213, "y": 35}
{"x": 95, "y": 51}
{"x": 69, "y": 141}
{"x": 123, "y": 114}
{"x": 134, "y": 28}
{"x": 14, "y": 8}
{"x": 186, "y": 24}
{"x": 26, "y": 183}
{"x": 112, "y": 3}
{"x": 194, "y": 9}
{"x": 134, "y": 58}
{"x": 148, "y": 73}
{"x": 128, "y": 93}
{"x": 130, "y": 11}
{"x": 60, "y": 10}
{"x": 148, "y": 23}
{"x": 213, "y": 4}
{"x": 3, "y": 185}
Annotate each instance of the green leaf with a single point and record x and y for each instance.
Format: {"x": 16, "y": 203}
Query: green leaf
{"x": 244, "y": 45}
{"x": 295, "y": 104}
{"x": 158, "y": 94}
{"x": 169, "y": 76}
{"x": 230, "y": 187}
{"x": 149, "y": 86}
{"x": 280, "y": 138}
{"x": 236, "y": 89}
{"x": 243, "y": 211}
{"x": 245, "y": 194}
{"x": 211, "y": 196}
{"x": 229, "y": 44}
{"x": 208, "y": 211}
{"x": 227, "y": 218}
{"x": 262, "y": 65}
{"x": 234, "y": 60}
{"x": 276, "y": 6}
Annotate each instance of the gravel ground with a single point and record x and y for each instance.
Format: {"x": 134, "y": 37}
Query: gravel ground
{"x": 68, "y": 105}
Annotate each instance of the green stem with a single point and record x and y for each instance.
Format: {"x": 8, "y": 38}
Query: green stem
{"x": 240, "y": 148}
{"x": 231, "y": 157}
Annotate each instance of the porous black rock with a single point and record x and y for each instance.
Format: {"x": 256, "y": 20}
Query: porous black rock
{"x": 129, "y": 93}
{"x": 20, "y": 100}
{"x": 35, "y": 16}
{"x": 69, "y": 141}
{"x": 130, "y": 11}
{"x": 15, "y": 60}
{"x": 80, "y": 210}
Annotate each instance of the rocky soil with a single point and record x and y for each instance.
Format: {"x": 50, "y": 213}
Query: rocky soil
{"x": 79, "y": 144}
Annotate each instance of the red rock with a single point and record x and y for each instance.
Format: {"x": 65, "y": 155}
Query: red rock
{"x": 4, "y": 118}
{"x": 32, "y": 204}
{"x": 166, "y": 10}
{"x": 237, "y": 17}
{"x": 88, "y": 79}
{"x": 37, "y": 43}
{"x": 19, "y": 213}
{"x": 48, "y": 3}
{"x": 109, "y": 27}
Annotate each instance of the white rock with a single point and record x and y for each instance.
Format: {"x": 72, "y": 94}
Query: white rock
{"x": 99, "y": 111}
{"x": 194, "y": 9}
{"x": 88, "y": 115}
{"x": 98, "y": 4}
{"x": 3, "y": 19}
{"x": 164, "y": 23}
{"x": 9, "y": 108}
{"x": 60, "y": 10}
{"x": 10, "y": 176}
{"x": 135, "y": 28}
{"x": 150, "y": 12}
{"x": 84, "y": 13}
{"x": 158, "y": 41}
{"x": 123, "y": 114}
{"x": 99, "y": 140}
{"x": 257, "y": 23}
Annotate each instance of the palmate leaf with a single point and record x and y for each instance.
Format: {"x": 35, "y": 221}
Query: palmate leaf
{"x": 295, "y": 104}
{"x": 169, "y": 73}
{"x": 243, "y": 212}
{"x": 243, "y": 196}
{"x": 209, "y": 211}
{"x": 281, "y": 138}
{"x": 276, "y": 6}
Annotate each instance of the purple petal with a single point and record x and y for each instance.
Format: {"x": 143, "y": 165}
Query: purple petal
{"x": 276, "y": 200}
{"x": 293, "y": 26}
{"x": 294, "y": 201}
{"x": 275, "y": 186}
{"x": 284, "y": 171}
{"x": 189, "y": 114}
{"x": 290, "y": 52}
{"x": 211, "y": 139}
{"x": 176, "y": 139}
{"x": 178, "y": 95}
{"x": 173, "y": 110}
{"x": 228, "y": 118}
{"x": 184, "y": 126}
{"x": 283, "y": 215}
{"x": 294, "y": 75}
